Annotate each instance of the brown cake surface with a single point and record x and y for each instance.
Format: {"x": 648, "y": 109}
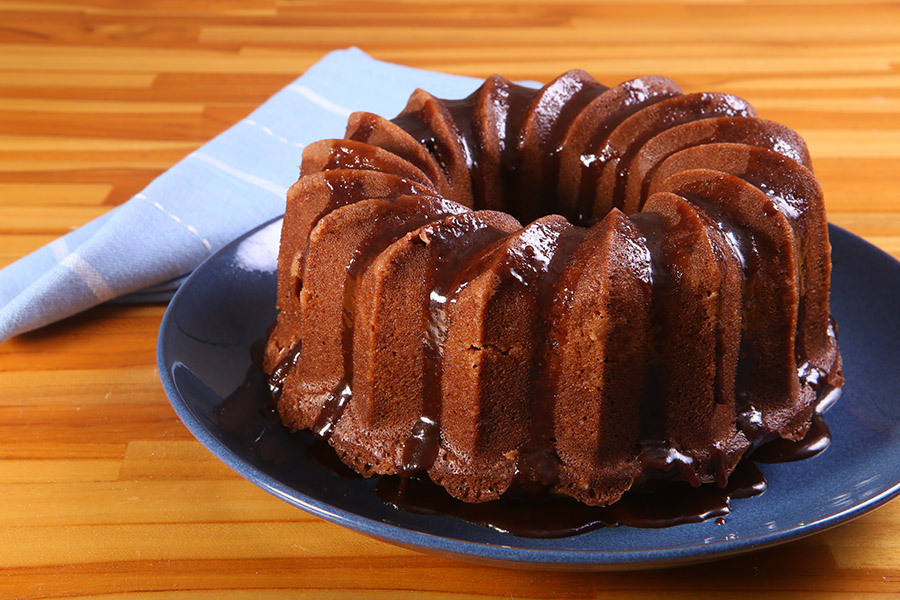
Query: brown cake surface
{"x": 573, "y": 288}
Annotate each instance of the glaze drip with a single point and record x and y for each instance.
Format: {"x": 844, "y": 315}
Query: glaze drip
{"x": 657, "y": 370}
{"x": 537, "y": 269}
{"x": 247, "y": 412}
{"x": 554, "y": 517}
{"x": 387, "y": 231}
{"x": 282, "y": 370}
{"x": 452, "y": 245}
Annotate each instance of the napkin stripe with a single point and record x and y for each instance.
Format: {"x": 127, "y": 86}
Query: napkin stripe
{"x": 193, "y": 230}
{"x": 320, "y": 101}
{"x": 268, "y": 131}
{"x": 91, "y": 277}
{"x": 259, "y": 182}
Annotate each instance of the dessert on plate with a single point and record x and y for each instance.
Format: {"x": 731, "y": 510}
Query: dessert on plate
{"x": 575, "y": 289}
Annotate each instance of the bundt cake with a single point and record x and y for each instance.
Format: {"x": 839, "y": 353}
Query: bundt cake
{"x": 663, "y": 309}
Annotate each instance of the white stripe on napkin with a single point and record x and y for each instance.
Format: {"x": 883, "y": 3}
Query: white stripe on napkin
{"x": 193, "y": 230}
{"x": 259, "y": 182}
{"x": 268, "y": 131}
{"x": 320, "y": 101}
{"x": 90, "y": 276}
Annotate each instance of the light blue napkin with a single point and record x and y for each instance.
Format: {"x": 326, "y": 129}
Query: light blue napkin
{"x": 142, "y": 250}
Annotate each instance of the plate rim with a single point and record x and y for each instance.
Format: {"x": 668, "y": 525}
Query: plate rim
{"x": 484, "y": 552}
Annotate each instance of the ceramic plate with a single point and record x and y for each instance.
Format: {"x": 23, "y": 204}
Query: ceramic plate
{"x": 224, "y": 308}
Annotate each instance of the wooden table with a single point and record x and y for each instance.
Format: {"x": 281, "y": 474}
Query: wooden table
{"x": 104, "y": 492}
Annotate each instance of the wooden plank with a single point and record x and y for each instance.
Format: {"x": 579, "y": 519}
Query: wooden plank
{"x": 52, "y": 194}
{"x": 38, "y": 545}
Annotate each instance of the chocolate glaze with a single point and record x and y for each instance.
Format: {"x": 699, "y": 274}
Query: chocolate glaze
{"x": 518, "y": 513}
{"x": 549, "y": 114}
{"x": 660, "y": 503}
{"x": 817, "y": 439}
{"x": 461, "y": 115}
{"x": 344, "y": 187}
{"x": 517, "y": 99}
{"x": 794, "y": 193}
{"x": 281, "y": 371}
{"x": 571, "y": 107}
{"x": 388, "y": 231}
{"x": 517, "y": 103}
{"x": 794, "y": 208}
{"x": 660, "y": 455}
{"x": 743, "y": 245}
{"x": 415, "y": 124}
{"x": 536, "y": 271}
{"x": 333, "y": 408}
{"x": 361, "y": 156}
{"x": 744, "y": 130}
{"x": 461, "y": 112}
{"x": 657, "y": 373}
{"x": 454, "y": 245}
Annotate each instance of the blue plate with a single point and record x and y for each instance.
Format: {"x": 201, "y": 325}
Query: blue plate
{"x": 226, "y": 305}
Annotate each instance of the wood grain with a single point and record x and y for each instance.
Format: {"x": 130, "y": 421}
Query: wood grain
{"x": 103, "y": 492}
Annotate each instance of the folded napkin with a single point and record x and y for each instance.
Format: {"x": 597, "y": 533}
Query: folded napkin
{"x": 142, "y": 250}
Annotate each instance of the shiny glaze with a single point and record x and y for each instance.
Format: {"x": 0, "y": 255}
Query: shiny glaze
{"x": 388, "y": 230}
{"x": 549, "y": 114}
{"x": 454, "y": 245}
{"x": 347, "y": 186}
{"x": 282, "y": 370}
{"x": 657, "y": 374}
{"x": 536, "y": 267}
{"x": 519, "y": 514}
{"x": 522, "y": 511}
{"x": 817, "y": 440}
{"x": 742, "y": 245}
{"x": 739, "y": 130}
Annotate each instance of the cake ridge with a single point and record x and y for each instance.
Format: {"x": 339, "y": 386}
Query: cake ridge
{"x": 551, "y": 109}
{"x": 771, "y": 234}
{"x": 751, "y": 131}
{"x": 376, "y": 130}
{"x": 379, "y": 403}
{"x": 602, "y": 116}
{"x": 798, "y": 196}
{"x": 622, "y": 144}
{"x": 308, "y": 200}
{"x": 518, "y": 266}
{"x": 388, "y": 221}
